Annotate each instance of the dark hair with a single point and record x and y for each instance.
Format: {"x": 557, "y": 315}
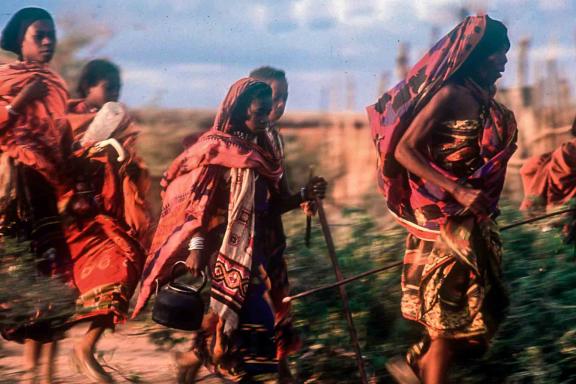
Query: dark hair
{"x": 238, "y": 114}
{"x": 14, "y": 31}
{"x": 268, "y": 73}
{"x": 95, "y": 71}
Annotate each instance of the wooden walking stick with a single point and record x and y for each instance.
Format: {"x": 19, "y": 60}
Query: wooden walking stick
{"x": 309, "y": 217}
{"x": 342, "y": 289}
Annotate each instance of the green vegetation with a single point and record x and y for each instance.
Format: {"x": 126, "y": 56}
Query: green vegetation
{"x": 26, "y": 294}
{"x": 534, "y": 345}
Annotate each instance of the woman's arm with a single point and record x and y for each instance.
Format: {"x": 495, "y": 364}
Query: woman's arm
{"x": 34, "y": 90}
{"x": 217, "y": 181}
{"x": 287, "y": 201}
{"x": 409, "y": 152}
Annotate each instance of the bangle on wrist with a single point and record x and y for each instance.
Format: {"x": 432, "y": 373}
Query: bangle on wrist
{"x": 11, "y": 110}
{"x": 196, "y": 243}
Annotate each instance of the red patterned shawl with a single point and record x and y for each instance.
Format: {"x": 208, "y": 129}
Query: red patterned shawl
{"x": 393, "y": 114}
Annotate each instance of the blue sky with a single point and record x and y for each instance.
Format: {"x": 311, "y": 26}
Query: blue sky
{"x": 185, "y": 53}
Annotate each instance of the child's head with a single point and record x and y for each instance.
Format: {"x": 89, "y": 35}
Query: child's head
{"x": 99, "y": 83}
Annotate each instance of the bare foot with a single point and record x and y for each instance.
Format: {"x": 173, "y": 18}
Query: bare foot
{"x": 401, "y": 371}
{"x": 87, "y": 365}
{"x": 188, "y": 364}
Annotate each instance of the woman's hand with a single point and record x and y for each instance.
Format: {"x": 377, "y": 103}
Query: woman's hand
{"x": 316, "y": 187}
{"x": 34, "y": 90}
{"x": 472, "y": 199}
{"x": 195, "y": 262}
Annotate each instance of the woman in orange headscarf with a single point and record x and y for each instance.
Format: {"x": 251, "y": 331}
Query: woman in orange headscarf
{"x": 108, "y": 236}
{"x": 34, "y": 145}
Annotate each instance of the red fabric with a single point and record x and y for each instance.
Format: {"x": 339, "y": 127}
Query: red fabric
{"x": 40, "y": 136}
{"x": 125, "y": 185}
{"x": 393, "y": 114}
{"x": 107, "y": 249}
{"x": 103, "y": 253}
{"x": 549, "y": 180}
{"x": 188, "y": 185}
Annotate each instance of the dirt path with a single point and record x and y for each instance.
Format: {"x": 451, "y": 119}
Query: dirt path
{"x": 130, "y": 354}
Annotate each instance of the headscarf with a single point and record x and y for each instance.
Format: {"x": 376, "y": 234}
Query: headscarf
{"x": 397, "y": 108}
{"x": 14, "y": 32}
{"x": 235, "y": 101}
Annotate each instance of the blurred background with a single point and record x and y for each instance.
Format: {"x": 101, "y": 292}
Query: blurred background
{"x": 178, "y": 58}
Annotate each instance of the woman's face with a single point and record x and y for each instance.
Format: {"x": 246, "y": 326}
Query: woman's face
{"x": 257, "y": 115}
{"x": 491, "y": 68}
{"x": 39, "y": 42}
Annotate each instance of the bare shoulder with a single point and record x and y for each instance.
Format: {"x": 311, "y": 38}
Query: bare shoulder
{"x": 454, "y": 101}
{"x": 450, "y": 93}
{"x": 442, "y": 103}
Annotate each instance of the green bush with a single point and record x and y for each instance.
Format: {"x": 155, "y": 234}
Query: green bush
{"x": 25, "y": 293}
{"x": 536, "y": 343}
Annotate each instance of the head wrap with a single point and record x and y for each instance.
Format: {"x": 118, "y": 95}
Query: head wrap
{"x": 494, "y": 38}
{"x": 14, "y": 31}
{"x": 238, "y": 97}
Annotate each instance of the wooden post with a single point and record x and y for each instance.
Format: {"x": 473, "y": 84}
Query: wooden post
{"x": 342, "y": 290}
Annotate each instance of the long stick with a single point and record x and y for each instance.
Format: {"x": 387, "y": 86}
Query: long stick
{"x": 309, "y": 292}
{"x": 342, "y": 290}
{"x": 537, "y": 218}
{"x": 288, "y": 299}
{"x": 309, "y": 217}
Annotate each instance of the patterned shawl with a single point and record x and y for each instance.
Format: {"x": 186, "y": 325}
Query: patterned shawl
{"x": 393, "y": 114}
{"x": 40, "y": 136}
{"x": 189, "y": 185}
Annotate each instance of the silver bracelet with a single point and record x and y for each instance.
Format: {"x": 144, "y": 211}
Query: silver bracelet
{"x": 11, "y": 110}
{"x": 196, "y": 243}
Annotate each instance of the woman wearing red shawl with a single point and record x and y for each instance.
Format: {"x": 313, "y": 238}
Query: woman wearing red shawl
{"x": 218, "y": 196}
{"x": 549, "y": 180}
{"x": 105, "y": 241}
{"x": 443, "y": 145}
{"x": 34, "y": 141}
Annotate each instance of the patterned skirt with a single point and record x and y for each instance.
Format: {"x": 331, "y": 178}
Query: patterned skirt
{"x": 107, "y": 264}
{"x": 453, "y": 286}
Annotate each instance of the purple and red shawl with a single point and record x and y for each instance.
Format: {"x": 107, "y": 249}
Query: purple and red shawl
{"x": 393, "y": 114}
